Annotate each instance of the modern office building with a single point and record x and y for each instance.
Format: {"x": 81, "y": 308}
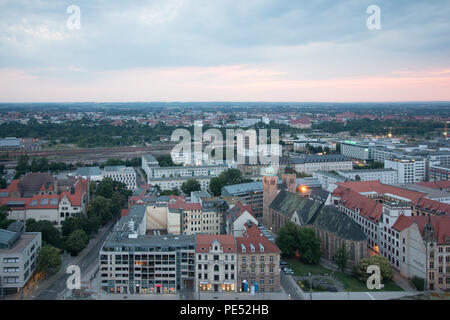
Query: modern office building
{"x": 249, "y": 193}
{"x": 438, "y": 173}
{"x": 357, "y": 150}
{"x": 409, "y": 170}
{"x": 133, "y": 262}
{"x": 122, "y": 174}
{"x": 18, "y": 257}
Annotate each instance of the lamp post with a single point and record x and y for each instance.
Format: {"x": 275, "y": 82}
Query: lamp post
{"x": 310, "y": 286}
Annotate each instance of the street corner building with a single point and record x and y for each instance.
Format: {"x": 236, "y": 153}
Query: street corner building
{"x": 18, "y": 257}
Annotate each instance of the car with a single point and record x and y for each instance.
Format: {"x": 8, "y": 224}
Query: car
{"x": 283, "y": 263}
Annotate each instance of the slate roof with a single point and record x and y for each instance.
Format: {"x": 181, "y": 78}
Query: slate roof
{"x": 310, "y": 212}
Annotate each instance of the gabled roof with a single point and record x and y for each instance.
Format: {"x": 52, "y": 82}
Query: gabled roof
{"x": 402, "y": 223}
{"x": 334, "y": 221}
{"x": 288, "y": 203}
{"x": 441, "y": 226}
{"x": 441, "y": 185}
{"x": 369, "y": 208}
{"x": 203, "y": 242}
{"x": 253, "y": 236}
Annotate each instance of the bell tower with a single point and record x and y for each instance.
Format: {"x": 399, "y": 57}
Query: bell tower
{"x": 270, "y": 191}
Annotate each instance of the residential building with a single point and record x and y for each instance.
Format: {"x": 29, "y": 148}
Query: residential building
{"x": 18, "y": 257}
{"x": 132, "y": 262}
{"x": 258, "y": 261}
{"x": 215, "y": 263}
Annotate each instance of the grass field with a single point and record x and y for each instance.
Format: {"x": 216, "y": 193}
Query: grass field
{"x": 350, "y": 283}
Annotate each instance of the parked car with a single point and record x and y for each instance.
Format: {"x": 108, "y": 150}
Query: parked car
{"x": 283, "y": 263}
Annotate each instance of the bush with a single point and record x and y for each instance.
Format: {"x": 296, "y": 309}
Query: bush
{"x": 419, "y": 283}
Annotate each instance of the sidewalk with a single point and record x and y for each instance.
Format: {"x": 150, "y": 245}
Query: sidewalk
{"x": 402, "y": 282}
{"x": 42, "y": 285}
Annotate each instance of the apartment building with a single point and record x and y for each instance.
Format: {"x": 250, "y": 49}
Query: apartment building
{"x": 135, "y": 263}
{"x": 18, "y": 257}
{"x": 215, "y": 264}
{"x": 186, "y": 171}
{"x": 258, "y": 261}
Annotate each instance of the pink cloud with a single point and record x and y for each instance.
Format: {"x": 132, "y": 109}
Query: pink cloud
{"x": 224, "y": 83}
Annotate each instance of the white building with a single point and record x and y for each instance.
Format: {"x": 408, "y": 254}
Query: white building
{"x": 328, "y": 180}
{"x": 355, "y": 150}
{"x": 148, "y": 162}
{"x": 386, "y": 176}
{"x": 215, "y": 263}
{"x": 312, "y": 163}
{"x": 169, "y": 183}
{"x": 122, "y": 174}
{"x": 409, "y": 170}
{"x": 18, "y": 257}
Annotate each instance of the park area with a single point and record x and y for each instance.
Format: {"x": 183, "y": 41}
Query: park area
{"x": 324, "y": 279}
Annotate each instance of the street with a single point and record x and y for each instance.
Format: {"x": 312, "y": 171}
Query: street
{"x": 88, "y": 261}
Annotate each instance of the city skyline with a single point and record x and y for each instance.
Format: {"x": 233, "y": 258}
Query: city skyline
{"x": 222, "y": 51}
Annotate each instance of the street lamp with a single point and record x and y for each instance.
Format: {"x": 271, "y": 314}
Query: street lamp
{"x": 310, "y": 286}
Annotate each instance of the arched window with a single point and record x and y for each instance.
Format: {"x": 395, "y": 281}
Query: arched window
{"x": 216, "y": 267}
{"x": 352, "y": 251}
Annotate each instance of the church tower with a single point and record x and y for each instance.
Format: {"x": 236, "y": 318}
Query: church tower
{"x": 270, "y": 191}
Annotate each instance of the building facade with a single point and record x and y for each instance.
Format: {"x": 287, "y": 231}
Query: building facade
{"x": 215, "y": 264}
{"x": 18, "y": 257}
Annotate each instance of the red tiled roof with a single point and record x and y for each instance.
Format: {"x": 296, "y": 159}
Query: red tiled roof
{"x": 203, "y": 242}
{"x": 441, "y": 185}
{"x": 253, "y": 235}
{"x": 369, "y": 208}
{"x": 402, "y": 223}
{"x": 186, "y": 206}
{"x": 433, "y": 205}
{"x": 380, "y": 188}
{"x": 441, "y": 225}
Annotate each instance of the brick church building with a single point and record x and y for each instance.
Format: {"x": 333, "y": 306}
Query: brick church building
{"x": 282, "y": 203}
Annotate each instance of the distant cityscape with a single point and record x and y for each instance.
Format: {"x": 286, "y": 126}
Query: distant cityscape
{"x": 354, "y": 186}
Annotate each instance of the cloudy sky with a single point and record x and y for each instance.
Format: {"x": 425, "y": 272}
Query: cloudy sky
{"x": 224, "y": 50}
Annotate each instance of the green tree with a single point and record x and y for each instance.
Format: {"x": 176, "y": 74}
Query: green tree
{"x": 101, "y": 209}
{"x": 50, "y": 234}
{"x": 360, "y": 269}
{"x": 308, "y": 246}
{"x": 105, "y": 188}
{"x": 190, "y": 185}
{"x": 341, "y": 258}
{"x": 49, "y": 259}
{"x": 287, "y": 239}
{"x": 3, "y": 212}
{"x": 3, "y": 183}
{"x": 77, "y": 241}
{"x": 226, "y": 178}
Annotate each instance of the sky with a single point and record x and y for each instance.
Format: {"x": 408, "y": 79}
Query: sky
{"x": 224, "y": 50}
